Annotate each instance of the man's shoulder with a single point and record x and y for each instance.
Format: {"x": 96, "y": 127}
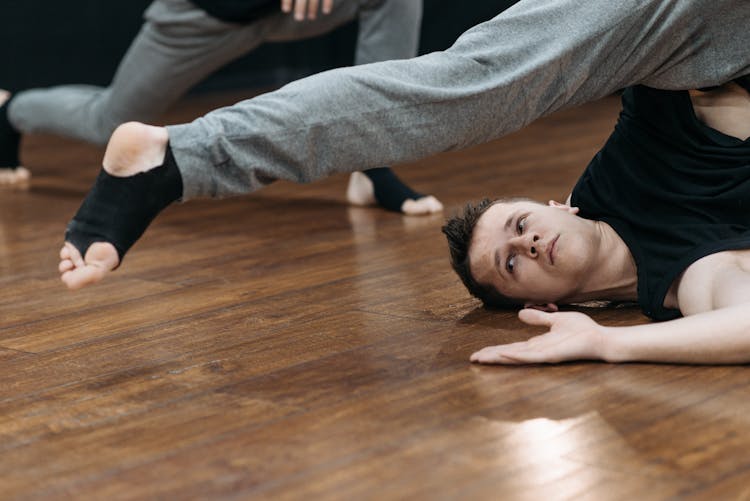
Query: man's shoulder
{"x": 700, "y": 286}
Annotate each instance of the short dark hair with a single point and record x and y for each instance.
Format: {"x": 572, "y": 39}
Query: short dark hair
{"x": 459, "y": 231}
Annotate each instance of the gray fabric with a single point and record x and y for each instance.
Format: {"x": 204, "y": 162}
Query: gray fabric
{"x": 536, "y": 57}
{"x": 179, "y": 45}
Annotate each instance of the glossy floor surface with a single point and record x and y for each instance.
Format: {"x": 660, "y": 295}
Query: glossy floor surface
{"x": 287, "y": 346}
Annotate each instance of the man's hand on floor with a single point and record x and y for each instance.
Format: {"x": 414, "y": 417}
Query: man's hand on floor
{"x": 571, "y": 336}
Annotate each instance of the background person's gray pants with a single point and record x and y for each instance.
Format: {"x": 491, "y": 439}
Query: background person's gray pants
{"x": 179, "y": 45}
{"x": 534, "y": 58}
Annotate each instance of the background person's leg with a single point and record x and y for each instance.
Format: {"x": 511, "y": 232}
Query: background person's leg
{"x": 11, "y": 172}
{"x": 535, "y": 58}
{"x": 388, "y": 29}
{"x": 177, "y": 47}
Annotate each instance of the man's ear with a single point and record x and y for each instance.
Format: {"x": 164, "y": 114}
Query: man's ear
{"x": 565, "y": 207}
{"x": 549, "y": 307}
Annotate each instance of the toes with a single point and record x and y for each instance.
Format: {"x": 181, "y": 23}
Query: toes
{"x": 70, "y": 252}
{"x": 81, "y": 277}
{"x": 101, "y": 258}
{"x": 23, "y": 175}
{"x": 433, "y": 203}
{"x": 421, "y": 206}
{"x": 17, "y": 178}
{"x": 7, "y": 176}
{"x": 65, "y": 265}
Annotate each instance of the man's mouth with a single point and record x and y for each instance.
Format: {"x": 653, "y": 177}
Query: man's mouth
{"x": 551, "y": 250}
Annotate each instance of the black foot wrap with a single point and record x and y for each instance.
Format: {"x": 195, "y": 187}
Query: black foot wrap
{"x": 390, "y": 191}
{"x": 9, "y": 140}
{"x": 744, "y": 82}
{"x": 119, "y": 209}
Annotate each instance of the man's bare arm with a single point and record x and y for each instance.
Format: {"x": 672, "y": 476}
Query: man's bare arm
{"x": 715, "y": 337}
{"x": 715, "y": 296}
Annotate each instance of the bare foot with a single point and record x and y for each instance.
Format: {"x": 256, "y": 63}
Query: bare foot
{"x": 133, "y": 148}
{"x": 16, "y": 177}
{"x": 421, "y": 206}
{"x": 361, "y": 192}
{"x": 77, "y": 272}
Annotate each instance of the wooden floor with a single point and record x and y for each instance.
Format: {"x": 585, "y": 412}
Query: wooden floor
{"x": 287, "y": 346}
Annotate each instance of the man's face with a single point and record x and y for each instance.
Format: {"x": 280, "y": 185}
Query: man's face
{"x": 531, "y": 252}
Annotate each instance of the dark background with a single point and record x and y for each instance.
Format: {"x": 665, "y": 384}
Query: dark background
{"x": 44, "y": 43}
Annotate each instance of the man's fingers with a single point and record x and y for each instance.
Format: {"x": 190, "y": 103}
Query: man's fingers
{"x": 508, "y": 354}
{"x": 312, "y": 9}
{"x": 536, "y": 317}
{"x": 300, "y": 7}
{"x": 492, "y": 355}
{"x": 306, "y": 9}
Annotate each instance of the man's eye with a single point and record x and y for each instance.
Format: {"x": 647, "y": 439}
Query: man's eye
{"x": 510, "y": 264}
{"x": 521, "y": 225}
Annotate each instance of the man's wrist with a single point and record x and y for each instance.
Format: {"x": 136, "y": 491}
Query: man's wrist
{"x": 611, "y": 346}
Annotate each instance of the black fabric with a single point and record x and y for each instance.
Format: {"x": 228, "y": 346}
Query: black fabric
{"x": 10, "y": 139}
{"x": 119, "y": 209}
{"x": 744, "y": 82}
{"x": 674, "y": 189}
{"x": 390, "y": 191}
{"x": 238, "y": 11}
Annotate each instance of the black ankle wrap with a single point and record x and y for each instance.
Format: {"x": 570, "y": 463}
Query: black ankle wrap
{"x": 390, "y": 191}
{"x": 9, "y": 139}
{"x": 744, "y": 82}
{"x": 119, "y": 209}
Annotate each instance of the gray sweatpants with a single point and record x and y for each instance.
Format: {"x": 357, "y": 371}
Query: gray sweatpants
{"x": 179, "y": 45}
{"x": 536, "y": 57}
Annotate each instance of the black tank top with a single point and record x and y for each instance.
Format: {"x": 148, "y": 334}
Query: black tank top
{"x": 239, "y": 11}
{"x": 674, "y": 189}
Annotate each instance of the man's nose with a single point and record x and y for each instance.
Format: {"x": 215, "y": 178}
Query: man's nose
{"x": 529, "y": 244}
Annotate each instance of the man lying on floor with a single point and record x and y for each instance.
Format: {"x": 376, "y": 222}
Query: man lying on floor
{"x": 660, "y": 216}
{"x": 537, "y": 57}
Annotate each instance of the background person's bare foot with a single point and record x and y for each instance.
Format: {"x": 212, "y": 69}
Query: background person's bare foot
{"x": 361, "y": 192}
{"x": 12, "y": 175}
{"x": 133, "y": 148}
{"x": 18, "y": 178}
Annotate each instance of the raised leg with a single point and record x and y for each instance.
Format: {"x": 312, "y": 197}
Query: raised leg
{"x": 136, "y": 183}
{"x": 535, "y": 58}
